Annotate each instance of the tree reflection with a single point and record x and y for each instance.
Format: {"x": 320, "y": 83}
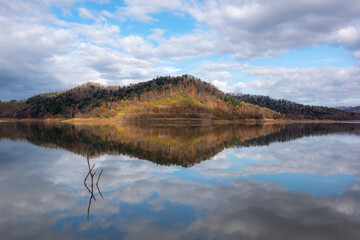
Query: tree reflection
{"x": 91, "y": 189}
{"x": 165, "y": 145}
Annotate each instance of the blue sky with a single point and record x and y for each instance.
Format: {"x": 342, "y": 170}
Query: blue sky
{"x": 306, "y": 51}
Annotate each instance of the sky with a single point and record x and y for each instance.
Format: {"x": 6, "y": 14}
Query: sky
{"x": 306, "y": 51}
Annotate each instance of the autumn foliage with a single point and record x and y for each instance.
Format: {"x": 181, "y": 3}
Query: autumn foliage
{"x": 164, "y": 97}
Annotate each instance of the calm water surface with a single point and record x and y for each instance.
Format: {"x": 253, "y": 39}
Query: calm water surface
{"x": 298, "y": 181}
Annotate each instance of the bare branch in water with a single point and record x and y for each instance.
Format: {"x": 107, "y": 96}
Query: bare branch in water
{"x": 91, "y": 191}
{"x": 99, "y": 177}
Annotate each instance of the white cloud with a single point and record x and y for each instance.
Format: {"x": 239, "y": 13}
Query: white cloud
{"x": 28, "y": 46}
{"x": 349, "y": 35}
{"x": 332, "y": 86}
{"x": 43, "y": 50}
{"x": 157, "y": 34}
{"x": 136, "y": 46}
{"x": 40, "y": 58}
{"x": 95, "y": 15}
{"x": 36, "y": 11}
{"x": 106, "y": 66}
{"x": 257, "y": 29}
{"x": 187, "y": 46}
{"x": 141, "y": 9}
{"x": 86, "y": 14}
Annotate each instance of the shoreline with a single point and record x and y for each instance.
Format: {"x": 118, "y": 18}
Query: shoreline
{"x": 171, "y": 121}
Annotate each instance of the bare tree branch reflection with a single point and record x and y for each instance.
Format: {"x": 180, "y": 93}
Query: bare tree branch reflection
{"x": 97, "y": 182}
{"x": 91, "y": 189}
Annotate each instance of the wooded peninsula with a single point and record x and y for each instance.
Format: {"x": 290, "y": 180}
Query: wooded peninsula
{"x": 183, "y": 97}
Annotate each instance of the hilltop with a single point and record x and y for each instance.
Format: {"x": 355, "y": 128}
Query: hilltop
{"x": 183, "y": 97}
{"x": 163, "y": 97}
{"x": 296, "y": 111}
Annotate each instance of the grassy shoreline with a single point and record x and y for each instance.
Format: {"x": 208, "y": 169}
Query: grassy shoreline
{"x": 169, "y": 121}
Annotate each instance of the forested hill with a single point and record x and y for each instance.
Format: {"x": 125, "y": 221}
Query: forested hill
{"x": 163, "y": 97}
{"x": 294, "y": 110}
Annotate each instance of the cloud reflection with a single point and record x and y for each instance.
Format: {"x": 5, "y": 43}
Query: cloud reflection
{"x": 43, "y": 195}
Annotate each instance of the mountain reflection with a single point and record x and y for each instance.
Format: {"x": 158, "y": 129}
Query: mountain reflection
{"x": 308, "y": 188}
{"x": 165, "y": 145}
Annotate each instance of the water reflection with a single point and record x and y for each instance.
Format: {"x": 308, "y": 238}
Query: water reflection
{"x": 255, "y": 185}
{"x": 178, "y": 145}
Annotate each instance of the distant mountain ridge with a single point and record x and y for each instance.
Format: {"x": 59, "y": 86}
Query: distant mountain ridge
{"x": 350, "y": 109}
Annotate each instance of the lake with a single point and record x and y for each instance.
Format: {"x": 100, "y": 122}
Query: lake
{"x": 250, "y": 181}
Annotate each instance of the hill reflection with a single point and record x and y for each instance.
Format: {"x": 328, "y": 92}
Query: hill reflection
{"x": 166, "y": 145}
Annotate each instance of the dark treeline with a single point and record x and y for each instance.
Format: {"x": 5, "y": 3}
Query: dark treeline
{"x": 298, "y": 111}
{"x": 299, "y": 130}
{"x": 184, "y": 146}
